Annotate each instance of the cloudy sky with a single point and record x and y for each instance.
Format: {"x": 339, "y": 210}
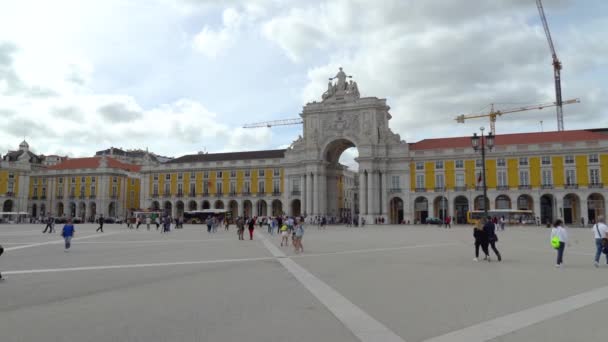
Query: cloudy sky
{"x": 180, "y": 76}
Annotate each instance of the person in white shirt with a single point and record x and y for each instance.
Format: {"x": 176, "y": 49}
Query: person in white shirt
{"x": 600, "y": 232}
{"x": 559, "y": 231}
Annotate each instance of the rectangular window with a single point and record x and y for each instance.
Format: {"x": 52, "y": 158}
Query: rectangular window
{"x": 570, "y": 177}
{"x": 460, "y": 164}
{"x": 82, "y": 190}
{"x": 167, "y": 188}
{"x": 72, "y": 191}
{"x": 60, "y": 191}
{"x": 502, "y": 178}
{"x": 114, "y": 191}
{"x": 247, "y": 173}
{"x": 232, "y": 173}
{"x": 439, "y": 165}
{"x": 261, "y": 173}
{"x": 180, "y": 176}
{"x": 192, "y": 175}
{"x": 155, "y": 191}
{"x": 523, "y": 161}
{"x": 594, "y": 176}
{"x": 545, "y": 160}
{"x": 43, "y": 192}
{"x": 524, "y": 178}
{"x": 439, "y": 181}
{"x": 155, "y": 177}
{"x": 206, "y": 174}
{"x": 93, "y": 179}
{"x": 547, "y": 178}
{"x": 167, "y": 177}
{"x": 478, "y": 162}
{"x": 501, "y": 162}
{"x": 295, "y": 184}
{"x": 60, "y": 180}
{"x": 93, "y": 189}
{"x": 569, "y": 159}
{"x": 460, "y": 179}
{"x": 44, "y": 180}
{"x": 192, "y": 189}
{"x": 73, "y": 180}
{"x": 218, "y": 188}
{"x": 180, "y": 188}
{"x": 35, "y": 181}
{"x": 206, "y": 188}
{"x": 419, "y": 165}
{"x": 219, "y": 174}
{"x": 82, "y": 179}
{"x": 276, "y": 187}
{"x": 420, "y": 181}
{"x": 132, "y": 181}
{"x": 232, "y": 187}
{"x": 247, "y": 187}
{"x": 593, "y": 158}
{"x": 276, "y": 172}
{"x": 115, "y": 180}
{"x": 11, "y": 175}
{"x": 11, "y": 187}
{"x": 261, "y": 187}
{"x": 395, "y": 182}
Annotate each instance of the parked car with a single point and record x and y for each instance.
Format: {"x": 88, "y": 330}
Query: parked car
{"x": 433, "y": 220}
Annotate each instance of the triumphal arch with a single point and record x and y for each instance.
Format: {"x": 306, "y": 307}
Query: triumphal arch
{"x": 343, "y": 119}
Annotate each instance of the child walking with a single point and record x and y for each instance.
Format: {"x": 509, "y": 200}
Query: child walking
{"x": 68, "y": 233}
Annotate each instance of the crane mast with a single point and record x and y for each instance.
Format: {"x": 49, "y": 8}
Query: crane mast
{"x": 557, "y": 67}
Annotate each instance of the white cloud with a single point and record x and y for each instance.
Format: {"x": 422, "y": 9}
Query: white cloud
{"x": 213, "y": 42}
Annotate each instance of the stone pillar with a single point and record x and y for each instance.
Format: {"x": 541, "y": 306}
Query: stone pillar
{"x": 144, "y": 191}
{"x": 536, "y": 205}
{"x": 384, "y": 198}
{"x": 362, "y": 194}
{"x": 315, "y": 194}
{"x": 431, "y": 208}
{"x": 559, "y": 208}
{"x": 584, "y": 211}
{"x": 303, "y": 207}
{"x": 309, "y": 182}
{"x": 323, "y": 210}
{"x": 370, "y": 195}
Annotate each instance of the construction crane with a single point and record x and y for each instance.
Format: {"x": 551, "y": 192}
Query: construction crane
{"x": 557, "y": 67}
{"x": 285, "y": 122}
{"x": 493, "y": 114}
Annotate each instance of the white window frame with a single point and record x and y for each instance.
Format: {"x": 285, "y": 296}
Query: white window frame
{"x": 594, "y": 180}
{"x": 523, "y": 161}
{"x": 439, "y": 165}
{"x": 501, "y": 162}
{"x": 261, "y": 173}
{"x": 439, "y": 180}
{"x": 546, "y": 177}
{"x": 593, "y": 158}
{"x": 459, "y": 164}
{"x": 420, "y": 184}
{"x": 568, "y": 179}
{"x": 460, "y": 180}
{"x": 395, "y": 182}
{"x": 419, "y": 165}
{"x": 522, "y": 178}
{"x": 261, "y": 187}
{"x": 569, "y": 159}
{"x": 501, "y": 178}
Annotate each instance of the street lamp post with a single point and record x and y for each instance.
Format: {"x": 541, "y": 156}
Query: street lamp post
{"x": 480, "y": 144}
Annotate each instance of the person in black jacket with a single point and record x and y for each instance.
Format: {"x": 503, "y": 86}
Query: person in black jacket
{"x": 480, "y": 240}
{"x": 490, "y": 229}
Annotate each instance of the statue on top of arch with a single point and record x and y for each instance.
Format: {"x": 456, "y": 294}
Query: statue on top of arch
{"x": 341, "y": 87}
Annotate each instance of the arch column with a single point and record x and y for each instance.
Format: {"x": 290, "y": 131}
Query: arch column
{"x": 584, "y": 209}
{"x": 303, "y": 193}
{"x": 323, "y": 194}
{"x": 384, "y": 200}
{"x": 315, "y": 194}
{"x": 370, "y": 194}
{"x": 362, "y": 194}
{"x": 241, "y": 208}
{"x": 535, "y": 205}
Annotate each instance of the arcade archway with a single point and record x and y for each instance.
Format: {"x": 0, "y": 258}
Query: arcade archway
{"x": 421, "y": 209}
{"x": 595, "y": 207}
{"x": 461, "y": 207}
{"x": 571, "y": 209}
{"x": 547, "y": 202}
{"x": 340, "y": 171}
{"x": 296, "y": 208}
{"x": 396, "y": 210}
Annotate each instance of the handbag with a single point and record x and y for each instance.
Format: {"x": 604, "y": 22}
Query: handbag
{"x": 555, "y": 242}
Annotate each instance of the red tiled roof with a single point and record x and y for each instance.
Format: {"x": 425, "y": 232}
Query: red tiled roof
{"x": 512, "y": 139}
{"x": 93, "y": 163}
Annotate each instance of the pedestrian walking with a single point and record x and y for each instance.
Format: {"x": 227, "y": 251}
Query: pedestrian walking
{"x": 600, "y": 232}
{"x": 49, "y": 225}
{"x": 490, "y": 229}
{"x": 299, "y": 234}
{"x": 100, "y": 228}
{"x": 559, "y": 238}
{"x": 1, "y": 252}
{"x": 284, "y": 235}
{"x": 240, "y": 225}
{"x": 502, "y": 223}
{"x": 68, "y": 233}
{"x": 251, "y": 228}
{"x": 480, "y": 239}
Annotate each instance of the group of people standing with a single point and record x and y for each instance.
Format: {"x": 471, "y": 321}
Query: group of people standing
{"x": 559, "y": 240}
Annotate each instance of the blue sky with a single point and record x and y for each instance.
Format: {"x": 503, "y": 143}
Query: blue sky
{"x": 182, "y": 76}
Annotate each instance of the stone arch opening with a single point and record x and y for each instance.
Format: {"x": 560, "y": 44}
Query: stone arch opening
{"x": 34, "y": 210}
{"x": 277, "y": 208}
{"x": 571, "y": 209}
{"x": 92, "y": 211}
{"x": 247, "y": 208}
{"x": 262, "y": 208}
{"x": 233, "y": 208}
{"x": 192, "y": 205}
{"x": 502, "y": 202}
{"x": 480, "y": 204}
{"x": 179, "y": 209}
{"x": 440, "y": 205}
{"x": 155, "y": 206}
{"x": 396, "y": 210}
{"x": 72, "y": 211}
{"x": 339, "y": 177}
{"x": 60, "y": 209}
{"x": 168, "y": 207}
{"x": 43, "y": 209}
{"x": 82, "y": 210}
{"x": 461, "y": 207}
{"x": 112, "y": 209}
{"x": 525, "y": 202}
{"x": 421, "y": 209}
{"x": 547, "y": 203}
{"x": 206, "y": 205}
{"x": 296, "y": 207}
{"x": 218, "y": 204}
{"x": 595, "y": 207}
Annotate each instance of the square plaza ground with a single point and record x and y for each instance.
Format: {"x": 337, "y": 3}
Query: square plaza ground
{"x": 389, "y": 283}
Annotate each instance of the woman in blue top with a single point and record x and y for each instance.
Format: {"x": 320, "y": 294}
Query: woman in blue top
{"x": 67, "y": 233}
